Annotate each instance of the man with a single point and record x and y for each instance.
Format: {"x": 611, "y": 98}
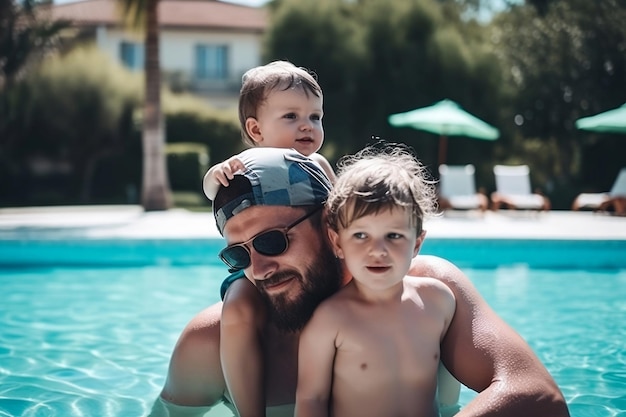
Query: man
{"x": 281, "y": 192}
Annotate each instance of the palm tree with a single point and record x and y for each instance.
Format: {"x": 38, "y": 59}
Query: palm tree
{"x": 155, "y": 193}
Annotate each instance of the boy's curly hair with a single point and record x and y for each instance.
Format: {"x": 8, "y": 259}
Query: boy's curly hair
{"x": 381, "y": 177}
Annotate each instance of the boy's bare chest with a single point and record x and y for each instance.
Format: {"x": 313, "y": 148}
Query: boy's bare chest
{"x": 390, "y": 342}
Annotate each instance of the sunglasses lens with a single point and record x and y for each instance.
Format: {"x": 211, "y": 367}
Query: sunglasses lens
{"x": 236, "y": 257}
{"x": 272, "y": 243}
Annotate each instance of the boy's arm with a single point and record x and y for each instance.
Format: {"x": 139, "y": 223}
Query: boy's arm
{"x": 220, "y": 174}
{"x": 243, "y": 319}
{"x": 488, "y": 356}
{"x": 316, "y": 356}
{"x": 328, "y": 169}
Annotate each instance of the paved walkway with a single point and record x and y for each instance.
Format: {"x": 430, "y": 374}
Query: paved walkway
{"x": 126, "y": 235}
{"x": 131, "y": 222}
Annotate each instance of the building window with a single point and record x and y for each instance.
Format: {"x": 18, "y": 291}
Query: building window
{"x": 131, "y": 55}
{"x": 212, "y": 62}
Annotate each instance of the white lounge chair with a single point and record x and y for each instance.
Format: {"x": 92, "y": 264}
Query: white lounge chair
{"x": 457, "y": 188}
{"x": 595, "y": 201}
{"x": 513, "y": 189}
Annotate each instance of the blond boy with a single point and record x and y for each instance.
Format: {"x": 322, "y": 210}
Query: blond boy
{"x": 373, "y": 348}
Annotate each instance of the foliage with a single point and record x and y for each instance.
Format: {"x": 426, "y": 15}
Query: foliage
{"x": 567, "y": 60}
{"x": 322, "y": 36}
{"x": 378, "y": 57}
{"x": 25, "y": 37}
{"x": 192, "y": 119}
{"x": 73, "y": 111}
{"x": 187, "y": 163}
{"x": 80, "y": 115}
{"x": 531, "y": 72}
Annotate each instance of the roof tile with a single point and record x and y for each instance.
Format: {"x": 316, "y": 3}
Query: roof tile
{"x": 206, "y": 14}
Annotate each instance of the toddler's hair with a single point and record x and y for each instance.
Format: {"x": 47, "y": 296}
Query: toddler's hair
{"x": 258, "y": 82}
{"x": 381, "y": 177}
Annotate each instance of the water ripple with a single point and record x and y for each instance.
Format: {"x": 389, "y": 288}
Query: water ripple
{"x": 96, "y": 342}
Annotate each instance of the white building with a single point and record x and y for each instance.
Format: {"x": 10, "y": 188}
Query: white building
{"x": 205, "y": 45}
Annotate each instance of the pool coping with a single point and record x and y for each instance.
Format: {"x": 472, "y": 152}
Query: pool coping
{"x": 132, "y": 222}
{"x": 129, "y": 236}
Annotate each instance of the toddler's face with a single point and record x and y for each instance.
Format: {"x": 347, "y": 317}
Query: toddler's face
{"x": 289, "y": 119}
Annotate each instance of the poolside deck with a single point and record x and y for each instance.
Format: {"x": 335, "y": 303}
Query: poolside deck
{"x": 128, "y": 236}
{"x": 131, "y": 222}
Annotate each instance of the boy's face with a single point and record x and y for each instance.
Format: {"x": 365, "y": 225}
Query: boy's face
{"x": 289, "y": 119}
{"x": 378, "y": 248}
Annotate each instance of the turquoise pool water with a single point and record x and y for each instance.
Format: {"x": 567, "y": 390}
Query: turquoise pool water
{"x": 95, "y": 341}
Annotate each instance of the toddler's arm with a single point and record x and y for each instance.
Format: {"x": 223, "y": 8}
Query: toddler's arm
{"x": 221, "y": 174}
{"x": 243, "y": 319}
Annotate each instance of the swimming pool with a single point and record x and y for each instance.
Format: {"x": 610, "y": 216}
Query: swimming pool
{"x": 85, "y": 340}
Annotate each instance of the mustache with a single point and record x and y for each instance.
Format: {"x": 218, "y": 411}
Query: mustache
{"x": 276, "y": 278}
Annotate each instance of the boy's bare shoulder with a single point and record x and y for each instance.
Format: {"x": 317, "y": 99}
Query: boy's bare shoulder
{"x": 334, "y": 303}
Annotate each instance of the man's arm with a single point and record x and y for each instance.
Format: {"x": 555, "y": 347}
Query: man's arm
{"x": 195, "y": 375}
{"x": 488, "y": 356}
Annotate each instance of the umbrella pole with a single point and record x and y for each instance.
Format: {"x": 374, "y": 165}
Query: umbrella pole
{"x": 443, "y": 149}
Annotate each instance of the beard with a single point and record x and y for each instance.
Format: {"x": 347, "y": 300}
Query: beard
{"x": 321, "y": 281}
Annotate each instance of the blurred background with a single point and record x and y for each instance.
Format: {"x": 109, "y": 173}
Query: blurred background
{"x": 130, "y": 101}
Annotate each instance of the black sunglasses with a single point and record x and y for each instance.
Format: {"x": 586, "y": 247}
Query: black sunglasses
{"x": 269, "y": 243}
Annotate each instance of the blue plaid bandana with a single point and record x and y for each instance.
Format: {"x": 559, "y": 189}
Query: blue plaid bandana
{"x": 273, "y": 177}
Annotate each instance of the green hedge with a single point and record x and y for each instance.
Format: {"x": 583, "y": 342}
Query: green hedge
{"x": 80, "y": 114}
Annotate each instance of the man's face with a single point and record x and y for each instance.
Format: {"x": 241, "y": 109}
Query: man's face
{"x": 295, "y": 282}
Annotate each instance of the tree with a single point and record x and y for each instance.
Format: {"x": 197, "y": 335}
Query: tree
{"x": 567, "y": 60}
{"x": 156, "y": 193}
{"x": 323, "y": 37}
{"x": 378, "y": 57}
{"x": 75, "y": 111}
{"x": 25, "y": 38}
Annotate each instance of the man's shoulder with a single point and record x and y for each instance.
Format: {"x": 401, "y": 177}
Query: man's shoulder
{"x": 438, "y": 268}
{"x": 194, "y": 376}
{"x": 430, "y": 290}
{"x": 430, "y": 266}
{"x": 423, "y": 282}
{"x": 205, "y": 321}
{"x": 202, "y": 331}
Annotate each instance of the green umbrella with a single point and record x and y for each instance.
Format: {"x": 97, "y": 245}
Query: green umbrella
{"x": 445, "y": 118}
{"x": 611, "y": 121}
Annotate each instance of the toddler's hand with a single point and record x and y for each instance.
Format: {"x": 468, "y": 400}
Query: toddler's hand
{"x": 221, "y": 174}
{"x": 225, "y": 171}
